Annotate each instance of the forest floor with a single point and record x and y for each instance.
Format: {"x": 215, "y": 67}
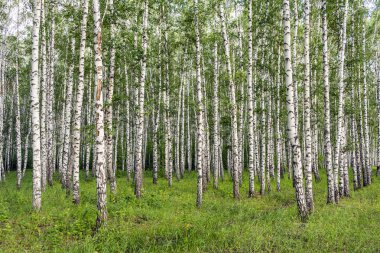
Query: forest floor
{"x": 166, "y": 219}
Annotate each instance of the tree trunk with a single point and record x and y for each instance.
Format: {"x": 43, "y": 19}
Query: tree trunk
{"x": 363, "y": 171}
{"x": 339, "y": 148}
{"x": 140, "y": 124}
{"x": 368, "y": 166}
{"x": 234, "y": 130}
{"x": 35, "y": 107}
{"x": 182, "y": 137}
{"x": 216, "y": 159}
{"x": 89, "y": 122}
{"x": 43, "y": 99}
{"x": 177, "y": 132}
{"x": 189, "y": 141}
{"x": 251, "y": 125}
{"x": 78, "y": 109}
{"x": 263, "y": 146}
{"x": 294, "y": 49}
{"x": 108, "y": 108}
{"x": 278, "y": 122}
{"x": 200, "y": 112}
{"x": 51, "y": 145}
{"x": 292, "y": 130}
{"x": 18, "y": 124}
{"x": 307, "y": 105}
{"x": 101, "y": 183}
{"x": 327, "y": 130}
{"x": 128, "y": 127}
{"x": 156, "y": 123}
{"x": 26, "y": 149}
{"x": 67, "y": 169}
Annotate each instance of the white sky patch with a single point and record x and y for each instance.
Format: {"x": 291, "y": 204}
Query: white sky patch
{"x": 20, "y": 13}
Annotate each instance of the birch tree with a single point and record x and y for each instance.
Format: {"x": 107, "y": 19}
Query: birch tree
{"x": 216, "y": 118}
{"x": 140, "y": 126}
{"x": 35, "y": 106}
{"x": 66, "y": 161}
{"x": 18, "y": 124}
{"x": 200, "y": 112}
{"x": 327, "y": 135}
{"x": 251, "y": 126}
{"x": 108, "y": 108}
{"x": 51, "y": 141}
{"x": 43, "y": 98}
{"x": 339, "y": 152}
{"x": 78, "y": 109}
{"x": 101, "y": 183}
{"x": 232, "y": 88}
{"x": 367, "y": 164}
{"x": 292, "y": 130}
{"x": 307, "y": 105}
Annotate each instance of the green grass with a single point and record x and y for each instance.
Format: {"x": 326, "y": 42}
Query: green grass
{"x": 166, "y": 220}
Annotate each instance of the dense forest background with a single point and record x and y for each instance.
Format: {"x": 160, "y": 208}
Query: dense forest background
{"x": 213, "y": 100}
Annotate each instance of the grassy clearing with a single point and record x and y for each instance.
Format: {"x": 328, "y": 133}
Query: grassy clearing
{"x": 166, "y": 220}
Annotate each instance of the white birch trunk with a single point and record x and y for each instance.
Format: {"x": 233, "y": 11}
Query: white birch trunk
{"x": 234, "y": 130}
{"x": 263, "y": 145}
{"x": 278, "y": 133}
{"x": 51, "y": 147}
{"x": 128, "y": 127}
{"x": 182, "y": 137}
{"x": 18, "y": 124}
{"x": 189, "y": 141}
{"x": 26, "y": 153}
{"x": 66, "y": 168}
{"x": 241, "y": 108}
{"x": 1, "y": 112}
{"x": 35, "y": 107}
{"x": 89, "y": 122}
{"x": 78, "y": 109}
{"x": 294, "y": 49}
{"x": 327, "y": 130}
{"x": 368, "y": 166}
{"x": 108, "y": 108}
{"x": 339, "y": 147}
{"x": 292, "y": 130}
{"x": 43, "y": 99}
{"x": 177, "y": 132}
{"x": 200, "y": 112}
{"x": 140, "y": 124}
{"x": 216, "y": 147}
{"x": 307, "y": 106}
{"x": 101, "y": 183}
{"x": 156, "y": 123}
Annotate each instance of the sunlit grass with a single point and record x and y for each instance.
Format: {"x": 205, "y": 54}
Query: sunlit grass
{"x": 166, "y": 219}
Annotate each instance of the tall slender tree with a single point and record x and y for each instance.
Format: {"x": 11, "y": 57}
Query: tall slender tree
{"x": 78, "y": 108}
{"x": 101, "y": 183}
{"x": 17, "y": 101}
{"x": 35, "y": 107}
{"x": 216, "y": 118}
{"x": 251, "y": 125}
{"x": 200, "y": 112}
{"x": 108, "y": 108}
{"x": 232, "y": 88}
{"x": 292, "y": 130}
{"x": 327, "y": 130}
{"x": 140, "y": 126}
{"x": 307, "y": 106}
